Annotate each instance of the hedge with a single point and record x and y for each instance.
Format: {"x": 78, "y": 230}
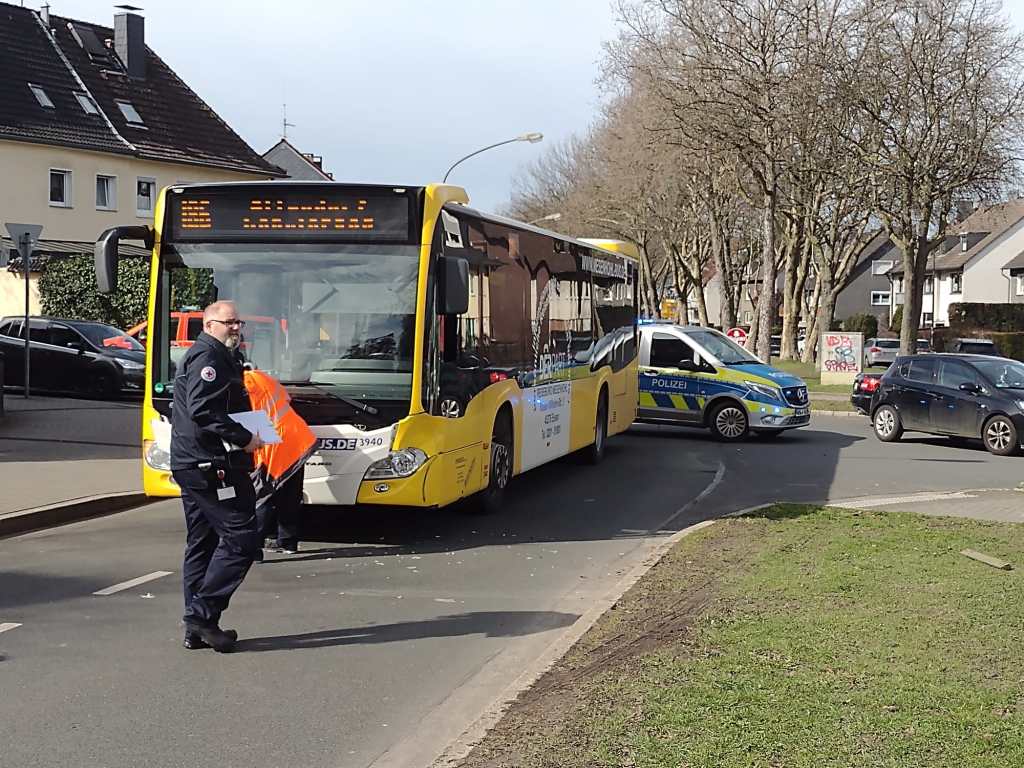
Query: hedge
{"x": 1010, "y": 344}
{"x": 67, "y": 288}
{"x": 992, "y": 317}
{"x": 862, "y": 323}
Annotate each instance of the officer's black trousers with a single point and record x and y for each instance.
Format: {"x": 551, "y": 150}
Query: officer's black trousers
{"x": 222, "y": 541}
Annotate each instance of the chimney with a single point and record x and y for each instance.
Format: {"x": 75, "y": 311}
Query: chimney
{"x": 130, "y": 41}
{"x": 44, "y": 14}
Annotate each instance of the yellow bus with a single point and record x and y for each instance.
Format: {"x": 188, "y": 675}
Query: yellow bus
{"x": 435, "y": 351}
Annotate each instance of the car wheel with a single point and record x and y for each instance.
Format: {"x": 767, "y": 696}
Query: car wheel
{"x": 729, "y": 422}
{"x": 595, "y": 452}
{"x": 102, "y": 385}
{"x": 1000, "y": 436}
{"x": 491, "y": 498}
{"x": 887, "y": 424}
{"x": 450, "y": 407}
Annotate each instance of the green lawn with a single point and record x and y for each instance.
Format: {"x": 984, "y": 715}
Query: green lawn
{"x": 818, "y": 638}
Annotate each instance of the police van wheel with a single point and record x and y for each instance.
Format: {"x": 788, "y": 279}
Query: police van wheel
{"x": 491, "y": 498}
{"x": 729, "y": 423}
{"x": 594, "y": 453}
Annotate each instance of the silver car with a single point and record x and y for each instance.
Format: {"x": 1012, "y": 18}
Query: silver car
{"x": 880, "y": 352}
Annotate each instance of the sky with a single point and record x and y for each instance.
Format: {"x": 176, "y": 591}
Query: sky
{"x": 387, "y": 91}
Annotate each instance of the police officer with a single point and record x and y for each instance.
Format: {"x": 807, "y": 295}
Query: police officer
{"x": 211, "y": 462}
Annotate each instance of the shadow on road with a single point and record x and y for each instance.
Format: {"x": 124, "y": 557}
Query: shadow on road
{"x": 486, "y": 623}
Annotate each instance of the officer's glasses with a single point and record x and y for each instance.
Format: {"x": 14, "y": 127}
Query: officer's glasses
{"x": 234, "y": 323}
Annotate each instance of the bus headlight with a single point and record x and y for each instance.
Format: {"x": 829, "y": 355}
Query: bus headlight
{"x": 156, "y": 457}
{"x": 396, "y": 464}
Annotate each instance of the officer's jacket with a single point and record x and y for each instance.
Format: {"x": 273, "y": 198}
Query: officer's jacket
{"x": 207, "y": 387}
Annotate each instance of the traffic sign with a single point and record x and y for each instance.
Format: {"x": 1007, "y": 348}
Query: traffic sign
{"x": 737, "y": 334}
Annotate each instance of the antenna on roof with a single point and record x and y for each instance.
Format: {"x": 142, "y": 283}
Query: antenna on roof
{"x": 285, "y": 125}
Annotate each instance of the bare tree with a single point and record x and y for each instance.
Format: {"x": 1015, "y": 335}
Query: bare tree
{"x": 939, "y": 92}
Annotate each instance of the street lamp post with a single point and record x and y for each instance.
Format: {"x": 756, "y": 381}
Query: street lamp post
{"x": 533, "y": 138}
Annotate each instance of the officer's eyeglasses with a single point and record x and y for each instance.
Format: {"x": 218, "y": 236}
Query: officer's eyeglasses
{"x": 235, "y": 323}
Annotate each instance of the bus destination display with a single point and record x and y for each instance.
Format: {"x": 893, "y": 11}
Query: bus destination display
{"x": 290, "y": 215}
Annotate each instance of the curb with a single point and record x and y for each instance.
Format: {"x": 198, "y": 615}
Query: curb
{"x": 72, "y": 511}
{"x": 819, "y": 412}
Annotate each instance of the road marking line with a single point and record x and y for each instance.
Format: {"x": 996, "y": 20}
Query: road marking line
{"x": 133, "y": 582}
{"x": 715, "y": 482}
{"x": 908, "y": 499}
{"x": 8, "y": 625}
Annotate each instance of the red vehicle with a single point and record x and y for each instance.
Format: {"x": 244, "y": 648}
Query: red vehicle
{"x": 186, "y": 327}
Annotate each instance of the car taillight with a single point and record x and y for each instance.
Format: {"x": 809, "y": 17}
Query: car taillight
{"x": 870, "y": 385}
{"x": 874, "y": 350}
{"x": 496, "y": 376}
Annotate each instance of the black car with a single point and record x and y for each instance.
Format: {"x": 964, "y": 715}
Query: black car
{"x": 864, "y": 387}
{"x": 72, "y": 356}
{"x": 961, "y": 396}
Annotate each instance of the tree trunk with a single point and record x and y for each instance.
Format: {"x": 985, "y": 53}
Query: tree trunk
{"x": 913, "y": 278}
{"x": 702, "y": 304}
{"x": 811, "y": 326}
{"x": 766, "y": 296}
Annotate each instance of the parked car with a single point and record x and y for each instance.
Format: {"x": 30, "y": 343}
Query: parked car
{"x": 962, "y": 396}
{"x": 880, "y": 352}
{"x": 699, "y": 377}
{"x": 72, "y": 356}
{"x": 974, "y": 347}
{"x": 864, "y": 387}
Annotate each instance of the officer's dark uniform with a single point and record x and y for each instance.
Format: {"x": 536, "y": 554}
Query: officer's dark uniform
{"x": 223, "y": 537}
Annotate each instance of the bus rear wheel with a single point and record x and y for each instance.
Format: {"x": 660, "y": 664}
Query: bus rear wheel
{"x": 491, "y": 498}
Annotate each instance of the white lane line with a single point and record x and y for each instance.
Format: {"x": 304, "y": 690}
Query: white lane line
{"x": 133, "y": 582}
{"x": 909, "y": 499}
{"x": 8, "y": 625}
{"x": 715, "y": 482}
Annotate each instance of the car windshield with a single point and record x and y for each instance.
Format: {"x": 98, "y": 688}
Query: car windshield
{"x": 107, "y": 336}
{"x": 722, "y": 347}
{"x": 338, "y": 316}
{"x": 1004, "y": 374}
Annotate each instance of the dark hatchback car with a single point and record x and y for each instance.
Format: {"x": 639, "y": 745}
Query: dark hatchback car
{"x": 72, "y": 356}
{"x": 960, "y": 396}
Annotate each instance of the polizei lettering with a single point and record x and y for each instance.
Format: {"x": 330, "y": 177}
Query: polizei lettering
{"x": 670, "y": 383}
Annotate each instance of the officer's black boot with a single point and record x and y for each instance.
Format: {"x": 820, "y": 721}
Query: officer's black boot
{"x": 198, "y": 636}
{"x": 194, "y": 642}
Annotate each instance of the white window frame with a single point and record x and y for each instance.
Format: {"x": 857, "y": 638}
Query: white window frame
{"x": 111, "y": 192}
{"x": 877, "y": 263}
{"x": 86, "y": 103}
{"x": 926, "y": 319}
{"x": 68, "y": 186}
{"x": 929, "y": 285}
{"x": 880, "y": 303}
{"x": 953, "y": 287}
{"x": 1020, "y": 285}
{"x": 142, "y": 212}
{"x": 41, "y": 96}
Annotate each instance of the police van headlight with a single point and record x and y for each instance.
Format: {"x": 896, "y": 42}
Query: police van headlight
{"x": 156, "y": 457}
{"x": 396, "y": 464}
{"x": 763, "y": 389}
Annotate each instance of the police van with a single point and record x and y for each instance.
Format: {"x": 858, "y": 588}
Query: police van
{"x": 699, "y": 377}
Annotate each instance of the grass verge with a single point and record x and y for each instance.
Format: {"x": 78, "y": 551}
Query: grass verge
{"x": 798, "y": 637}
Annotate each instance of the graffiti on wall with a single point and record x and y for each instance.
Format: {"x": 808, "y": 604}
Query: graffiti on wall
{"x": 841, "y": 352}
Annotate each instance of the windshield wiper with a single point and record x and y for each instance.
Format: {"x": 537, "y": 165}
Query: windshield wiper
{"x": 364, "y": 407}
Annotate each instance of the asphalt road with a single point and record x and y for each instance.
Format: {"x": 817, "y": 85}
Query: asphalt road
{"x": 391, "y": 630}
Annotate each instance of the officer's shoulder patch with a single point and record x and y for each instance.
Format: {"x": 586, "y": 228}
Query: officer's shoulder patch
{"x": 209, "y": 373}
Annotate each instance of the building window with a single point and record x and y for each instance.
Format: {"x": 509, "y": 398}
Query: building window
{"x": 60, "y": 188}
{"x": 129, "y": 112}
{"x": 41, "y": 97}
{"x": 1020, "y": 285}
{"x": 881, "y": 266}
{"x": 145, "y": 196}
{"x": 106, "y": 193}
{"x": 880, "y": 298}
{"x": 87, "y": 104}
{"x": 956, "y": 282}
{"x": 926, "y": 319}
{"x": 928, "y": 282}
{"x": 897, "y": 284}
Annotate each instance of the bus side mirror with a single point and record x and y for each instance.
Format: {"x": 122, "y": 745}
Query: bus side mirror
{"x": 106, "y": 253}
{"x": 453, "y": 285}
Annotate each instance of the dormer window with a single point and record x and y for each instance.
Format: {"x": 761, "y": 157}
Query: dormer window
{"x": 963, "y": 242}
{"x": 87, "y": 104}
{"x": 41, "y": 97}
{"x": 130, "y": 113}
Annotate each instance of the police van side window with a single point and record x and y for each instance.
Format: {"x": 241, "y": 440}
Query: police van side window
{"x": 667, "y": 351}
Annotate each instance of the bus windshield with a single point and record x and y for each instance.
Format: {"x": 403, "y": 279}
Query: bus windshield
{"x": 339, "y": 317}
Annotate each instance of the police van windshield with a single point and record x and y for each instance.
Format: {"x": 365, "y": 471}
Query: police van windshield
{"x": 722, "y": 347}
{"x": 337, "y": 317}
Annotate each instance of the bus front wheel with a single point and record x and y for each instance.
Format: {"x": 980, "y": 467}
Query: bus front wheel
{"x": 595, "y": 452}
{"x": 491, "y": 498}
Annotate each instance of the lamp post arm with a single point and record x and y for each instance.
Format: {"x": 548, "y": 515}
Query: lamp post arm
{"x": 473, "y": 154}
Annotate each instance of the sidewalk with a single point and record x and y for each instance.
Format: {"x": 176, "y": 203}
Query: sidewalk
{"x": 58, "y": 451}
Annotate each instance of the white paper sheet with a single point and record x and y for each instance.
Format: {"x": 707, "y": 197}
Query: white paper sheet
{"x": 259, "y": 423}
